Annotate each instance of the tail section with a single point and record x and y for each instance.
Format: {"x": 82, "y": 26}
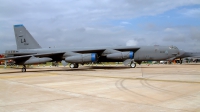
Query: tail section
{"x": 24, "y": 39}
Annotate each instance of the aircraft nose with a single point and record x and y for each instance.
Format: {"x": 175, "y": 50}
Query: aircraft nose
{"x": 181, "y": 52}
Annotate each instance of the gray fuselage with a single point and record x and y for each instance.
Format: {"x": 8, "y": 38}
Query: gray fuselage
{"x": 144, "y": 53}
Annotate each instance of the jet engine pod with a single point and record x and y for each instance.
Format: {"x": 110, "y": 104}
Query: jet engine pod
{"x": 34, "y": 60}
{"x": 82, "y": 58}
{"x": 121, "y": 55}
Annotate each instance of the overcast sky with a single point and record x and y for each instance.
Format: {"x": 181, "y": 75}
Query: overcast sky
{"x": 69, "y": 23}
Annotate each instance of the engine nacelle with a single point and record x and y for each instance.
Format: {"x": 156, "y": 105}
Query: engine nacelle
{"x": 121, "y": 55}
{"x": 34, "y": 60}
{"x": 82, "y": 58}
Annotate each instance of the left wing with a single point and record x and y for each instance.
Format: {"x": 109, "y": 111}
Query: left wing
{"x": 16, "y": 57}
{"x": 56, "y": 54}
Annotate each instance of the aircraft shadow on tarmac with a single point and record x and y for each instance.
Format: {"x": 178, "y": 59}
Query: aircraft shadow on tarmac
{"x": 44, "y": 70}
{"x": 152, "y": 66}
{"x": 109, "y": 67}
{"x": 192, "y": 64}
{"x": 63, "y": 69}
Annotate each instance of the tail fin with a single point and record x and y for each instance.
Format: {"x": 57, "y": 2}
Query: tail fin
{"x": 24, "y": 39}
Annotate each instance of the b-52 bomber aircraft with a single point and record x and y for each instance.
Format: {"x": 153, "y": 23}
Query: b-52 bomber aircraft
{"x": 30, "y": 52}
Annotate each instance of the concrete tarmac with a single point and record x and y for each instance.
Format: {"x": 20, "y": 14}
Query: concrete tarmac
{"x": 153, "y": 88}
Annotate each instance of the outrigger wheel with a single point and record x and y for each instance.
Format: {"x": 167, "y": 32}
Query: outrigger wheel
{"x": 24, "y": 68}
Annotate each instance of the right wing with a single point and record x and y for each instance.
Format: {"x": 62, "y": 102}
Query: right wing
{"x": 100, "y": 50}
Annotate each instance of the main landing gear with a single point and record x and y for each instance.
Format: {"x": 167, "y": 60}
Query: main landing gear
{"x": 181, "y": 61}
{"x": 24, "y": 68}
{"x": 74, "y": 65}
{"x": 132, "y": 65}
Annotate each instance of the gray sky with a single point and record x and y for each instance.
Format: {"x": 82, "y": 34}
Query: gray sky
{"x": 68, "y": 23}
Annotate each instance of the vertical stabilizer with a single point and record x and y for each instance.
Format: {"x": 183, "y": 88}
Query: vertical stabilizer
{"x": 24, "y": 39}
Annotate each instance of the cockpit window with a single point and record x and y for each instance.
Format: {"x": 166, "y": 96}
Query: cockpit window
{"x": 175, "y": 47}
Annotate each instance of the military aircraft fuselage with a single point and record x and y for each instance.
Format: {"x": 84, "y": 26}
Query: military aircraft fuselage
{"x": 144, "y": 53}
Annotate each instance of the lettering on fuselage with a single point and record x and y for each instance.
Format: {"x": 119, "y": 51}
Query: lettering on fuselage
{"x": 162, "y": 51}
{"x": 11, "y": 51}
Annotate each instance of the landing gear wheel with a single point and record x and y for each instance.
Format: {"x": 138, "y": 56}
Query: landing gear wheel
{"x": 71, "y": 65}
{"x": 24, "y": 68}
{"x": 74, "y": 65}
{"x": 181, "y": 61}
{"x": 133, "y": 65}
